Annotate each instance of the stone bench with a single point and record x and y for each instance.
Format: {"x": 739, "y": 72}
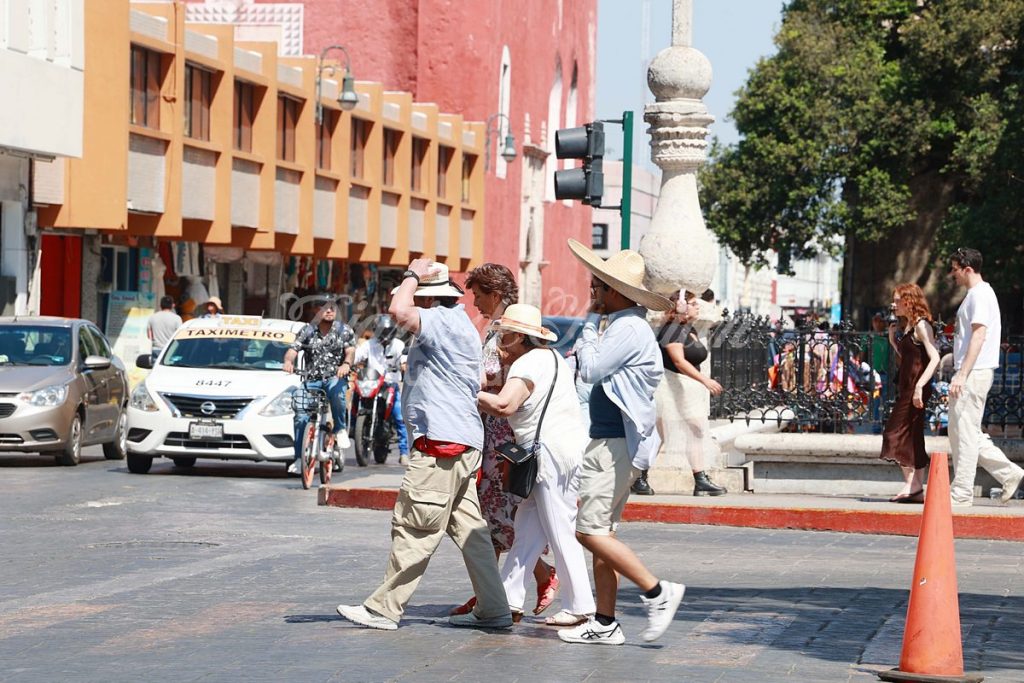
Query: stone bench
{"x": 838, "y": 464}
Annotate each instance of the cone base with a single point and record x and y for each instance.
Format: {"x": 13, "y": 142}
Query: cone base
{"x": 904, "y": 677}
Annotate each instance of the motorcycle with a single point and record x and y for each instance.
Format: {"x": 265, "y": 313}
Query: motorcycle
{"x": 371, "y": 428}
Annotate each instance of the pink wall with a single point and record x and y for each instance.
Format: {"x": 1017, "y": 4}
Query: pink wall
{"x": 449, "y": 52}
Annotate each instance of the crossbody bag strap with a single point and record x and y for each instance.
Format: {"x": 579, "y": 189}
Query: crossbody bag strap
{"x": 551, "y": 390}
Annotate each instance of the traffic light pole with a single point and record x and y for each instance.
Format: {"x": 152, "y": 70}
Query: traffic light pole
{"x": 625, "y": 206}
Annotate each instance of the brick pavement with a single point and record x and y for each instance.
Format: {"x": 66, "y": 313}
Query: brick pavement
{"x": 232, "y": 572}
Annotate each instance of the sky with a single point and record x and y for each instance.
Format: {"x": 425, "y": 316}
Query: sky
{"x": 732, "y": 34}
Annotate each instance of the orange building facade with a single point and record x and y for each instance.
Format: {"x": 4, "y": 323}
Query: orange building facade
{"x": 210, "y": 167}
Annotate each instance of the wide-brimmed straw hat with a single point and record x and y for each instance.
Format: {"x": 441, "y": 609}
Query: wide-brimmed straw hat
{"x": 624, "y": 272}
{"x": 524, "y": 319}
{"x": 437, "y": 284}
{"x": 215, "y": 300}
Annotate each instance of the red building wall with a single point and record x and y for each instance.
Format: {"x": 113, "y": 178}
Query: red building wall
{"x": 449, "y": 52}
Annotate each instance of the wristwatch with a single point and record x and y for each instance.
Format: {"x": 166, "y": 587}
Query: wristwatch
{"x": 410, "y": 274}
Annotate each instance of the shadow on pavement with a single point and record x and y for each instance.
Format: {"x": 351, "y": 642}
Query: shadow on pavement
{"x": 37, "y": 460}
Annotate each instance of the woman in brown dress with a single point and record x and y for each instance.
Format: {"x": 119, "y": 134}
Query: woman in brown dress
{"x": 494, "y": 289}
{"x": 903, "y": 438}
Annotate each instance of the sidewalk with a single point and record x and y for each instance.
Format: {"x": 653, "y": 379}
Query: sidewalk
{"x": 376, "y": 487}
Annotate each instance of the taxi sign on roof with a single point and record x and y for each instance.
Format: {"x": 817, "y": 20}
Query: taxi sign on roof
{"x": 222, "y": 332}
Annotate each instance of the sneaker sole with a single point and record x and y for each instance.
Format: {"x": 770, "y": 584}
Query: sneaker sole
{"x": 391, "y": 626}
{"x": 594, "y": 641}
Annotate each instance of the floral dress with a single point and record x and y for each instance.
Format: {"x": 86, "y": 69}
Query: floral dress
{"x": 495, "y": 503}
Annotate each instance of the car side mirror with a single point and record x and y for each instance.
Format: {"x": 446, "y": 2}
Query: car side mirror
{"x": 96, "y": 363}
{"x": 144, "y": 361}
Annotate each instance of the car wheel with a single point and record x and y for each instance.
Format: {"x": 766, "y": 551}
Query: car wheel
{"x": 184, "y": 462}
{"x": 139, "y": 464}
{"x": 72, "y": 452}
{"x": 118, "y": 448}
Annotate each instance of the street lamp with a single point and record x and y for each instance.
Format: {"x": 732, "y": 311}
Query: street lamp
{"x": 508, "y": 149}
{"x": 347, "y": 99}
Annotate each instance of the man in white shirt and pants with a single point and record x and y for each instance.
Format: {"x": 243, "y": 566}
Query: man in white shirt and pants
{"x": 975, "y": 356}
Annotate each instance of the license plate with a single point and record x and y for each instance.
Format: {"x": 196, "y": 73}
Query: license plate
{"x": 205, "y": 430}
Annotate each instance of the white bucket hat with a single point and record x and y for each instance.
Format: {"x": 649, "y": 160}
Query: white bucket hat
{"x": 438, "y": 284}
{"x": 624, "y": 272}
{"x": 524, "y": 319}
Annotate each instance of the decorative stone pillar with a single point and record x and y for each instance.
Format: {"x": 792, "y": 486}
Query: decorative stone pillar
{"x": 678, "y": 249}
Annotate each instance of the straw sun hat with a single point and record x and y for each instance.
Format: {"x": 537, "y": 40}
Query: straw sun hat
{"x": 524, "y": 319}
{"x": 624, "y": 272}
{"x": 438, "y": 284}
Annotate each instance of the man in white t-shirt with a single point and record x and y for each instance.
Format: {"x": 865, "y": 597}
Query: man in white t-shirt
{"x": 975, "y": 357}
{"x": 386, "y": 354}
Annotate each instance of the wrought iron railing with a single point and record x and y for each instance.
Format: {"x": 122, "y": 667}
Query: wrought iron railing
{"x": 837, "y": 379}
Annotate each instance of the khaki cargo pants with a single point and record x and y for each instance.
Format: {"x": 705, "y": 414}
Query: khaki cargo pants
{"x": 438, "y": 497}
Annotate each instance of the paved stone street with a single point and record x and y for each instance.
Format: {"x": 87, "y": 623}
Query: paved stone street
{"x": 232, "y": 572}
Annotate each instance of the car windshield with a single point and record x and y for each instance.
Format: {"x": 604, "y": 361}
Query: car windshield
{"x": 225, "y": 353}
{"x": 34, "y": 345}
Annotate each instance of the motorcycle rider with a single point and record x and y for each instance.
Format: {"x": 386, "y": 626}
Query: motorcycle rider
{"x": 329, "y": 346}
{"x": 385, "y": 353}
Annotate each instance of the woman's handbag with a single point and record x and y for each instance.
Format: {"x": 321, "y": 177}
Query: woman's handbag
{"x": 521, "y": 474}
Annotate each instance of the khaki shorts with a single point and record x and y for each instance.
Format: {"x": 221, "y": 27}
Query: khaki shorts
{"x": 606, "y": 474}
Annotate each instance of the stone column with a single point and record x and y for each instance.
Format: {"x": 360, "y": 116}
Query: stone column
{"x": 678, "y": 250}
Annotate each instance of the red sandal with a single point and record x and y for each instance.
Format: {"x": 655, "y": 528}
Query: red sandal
{"x": 546, "y": 592}
{"x": 464, "y": 608}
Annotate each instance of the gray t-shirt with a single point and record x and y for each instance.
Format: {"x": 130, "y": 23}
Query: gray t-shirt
{"x": 443, "y": 379}
{"x": 162, "y": 326}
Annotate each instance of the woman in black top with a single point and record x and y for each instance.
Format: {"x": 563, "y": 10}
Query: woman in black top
{"x": 682, "y": 353}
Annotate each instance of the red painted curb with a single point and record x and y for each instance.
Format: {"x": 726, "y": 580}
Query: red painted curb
{"x": 990, "y": 527}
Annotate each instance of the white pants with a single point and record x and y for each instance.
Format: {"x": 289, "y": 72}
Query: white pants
{"x": 970, "y": 445}
{"x": 548, "y": 517}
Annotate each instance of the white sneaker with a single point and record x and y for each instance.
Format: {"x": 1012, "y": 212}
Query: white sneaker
{"x": 293, "y": 468}
{"x": 662, "y": 609}
{"x": 342, "y": 441}
{"x": 364, "y": 617}
{"x": 591, "y": 632}
{"x": 1011, "y": 486}
{"x": 403, "y": 460}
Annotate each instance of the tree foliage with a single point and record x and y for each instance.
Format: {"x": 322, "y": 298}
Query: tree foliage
{"x": 862, "y": 101}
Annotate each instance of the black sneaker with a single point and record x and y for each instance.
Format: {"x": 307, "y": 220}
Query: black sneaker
{"x": 640, "y": 487}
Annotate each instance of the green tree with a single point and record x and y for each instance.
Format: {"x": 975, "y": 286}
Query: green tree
{"x": 889, "y": 130}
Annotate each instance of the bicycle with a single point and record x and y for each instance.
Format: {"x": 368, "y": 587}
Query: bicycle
{"x": 318, "y": 436}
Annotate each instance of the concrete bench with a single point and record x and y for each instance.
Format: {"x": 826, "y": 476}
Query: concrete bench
{"x": 838, "y": 464}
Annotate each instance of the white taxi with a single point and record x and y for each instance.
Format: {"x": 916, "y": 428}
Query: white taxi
{"x": 217, "y": 391}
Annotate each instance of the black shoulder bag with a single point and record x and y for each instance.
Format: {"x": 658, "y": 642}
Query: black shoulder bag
{"x": 522, "y": 470}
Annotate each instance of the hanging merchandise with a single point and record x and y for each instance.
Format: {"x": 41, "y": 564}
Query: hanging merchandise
{"x": 194, "y": 295}
{"x": 186, "y": 258}
{"x": 323, "y": 275}
{"x": 159, "y": 270}
{"x": 212, "y": 281}
{"x": 167, "y": 257}
{"x": 219, "y": 254}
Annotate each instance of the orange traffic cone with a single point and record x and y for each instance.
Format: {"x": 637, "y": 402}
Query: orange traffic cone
{"x": 932, "y": 651}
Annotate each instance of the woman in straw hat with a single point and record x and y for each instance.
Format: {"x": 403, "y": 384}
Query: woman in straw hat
{"x": 624, "y": 365}
{"x": 494, "y": 288}
{"x": 548, "y": 516}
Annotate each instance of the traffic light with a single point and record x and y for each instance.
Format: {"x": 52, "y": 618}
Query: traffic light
{"x": 585, "y": 183}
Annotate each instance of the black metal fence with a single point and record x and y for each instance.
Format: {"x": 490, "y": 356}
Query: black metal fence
{"x": 838, "y": 379}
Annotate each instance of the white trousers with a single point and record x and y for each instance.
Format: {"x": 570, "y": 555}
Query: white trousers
{"x": 548, "y": 517}
{"x": 970, "y": 445}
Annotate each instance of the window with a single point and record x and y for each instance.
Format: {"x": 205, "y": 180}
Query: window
{"x": 245, "y": 112}
{"x": 599, "y": 238}
{"x": 392, "y": 138}
{"x": 145, "y": 97}
{"x": 86, "y": 344}
{"x": 99, "y": 342}
{"x": 324, "y": 135}
{"x": 444, "y": 160}
{"x": 468, "y": 164}
{"x": 357, "y": 147}
{"x": 197, "y": 102}
{"x": 287, "y": 119}
{"x": 419, "y": 158}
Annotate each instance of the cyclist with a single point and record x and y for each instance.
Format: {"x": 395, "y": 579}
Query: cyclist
{"x": 386, "y": 354}
{"x": 329, "y": 347}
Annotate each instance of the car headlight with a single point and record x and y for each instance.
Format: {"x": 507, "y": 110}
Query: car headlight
{"x": 52, "y": 395}
{"x": 281, "y": 405}
{"x": 141, "y": 400}
{"x": 366, "y": 386}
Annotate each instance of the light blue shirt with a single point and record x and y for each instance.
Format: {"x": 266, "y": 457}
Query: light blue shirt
{"x": 443, "y": 379}
{"x": 627, "y": 362}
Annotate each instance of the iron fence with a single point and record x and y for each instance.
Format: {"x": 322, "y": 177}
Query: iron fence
{"x": 837, "y": 379}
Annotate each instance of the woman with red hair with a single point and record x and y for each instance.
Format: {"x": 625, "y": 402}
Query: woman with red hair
{"x": 903, "y": 438}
